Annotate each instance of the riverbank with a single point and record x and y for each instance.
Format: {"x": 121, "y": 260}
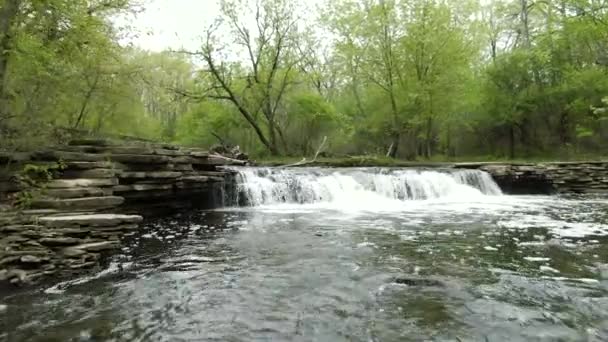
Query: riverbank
{"x": 380, "y": 161}
{"x": 63, "y": 208}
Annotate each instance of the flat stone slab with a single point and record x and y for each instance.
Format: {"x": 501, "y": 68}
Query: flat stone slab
{"x": 199, "y": 154}
{"x": 80, "y": 203}
{"x": 81, "y": 183}
{"x": 18, "y": 228}
{"x": 67, "y": 156}
{"x": 75, "y": 192}
{"x": 148, "y": 175}
{"x": 94, "y": 220}
{"x": 139, "y": 159}
{"x": 217, "y": 161}
{"x": 90, "y": 173}
{"x": 89, "y": 165}
{"x": 167, "y": 152}
{"x": 195, "y": 179}
{"x": 60, "y": 241}
{"x": 98, "y": 246}
{"x": 141, "y": 187}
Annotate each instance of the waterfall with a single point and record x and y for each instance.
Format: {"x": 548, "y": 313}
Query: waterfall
{"x": 260, "y": 186}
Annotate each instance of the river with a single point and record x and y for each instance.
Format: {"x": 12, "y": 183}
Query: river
{"x": 344, "y": 255}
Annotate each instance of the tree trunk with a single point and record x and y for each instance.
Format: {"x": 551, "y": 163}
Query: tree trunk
{"x": 512, "y": 141}
{"x": 392, "y": 151}
{"x": 429, "y": 138}
{"x": 8, "y": 14}
{"x": 272, "y": 136}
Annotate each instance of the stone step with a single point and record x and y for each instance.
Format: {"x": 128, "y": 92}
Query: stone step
{"x": 201, "y": 179}
{"x": 90, "y": 173}
{"x": 59, "y": 241}
{"x": 75, "y": 192}
{"x": 81, "y": 183}
{"x": 142, "y": 149}
{"x": 84, "y": 203}
{"x": 139, "y": 159}
{"x": 149, "y": 175}
{"x": 67, "y": 156}
{"x": 89, "y": 165}
{"x": 93, "y": 220}
{"x": 141, "y": 187}
{"x": 97, "y": 246}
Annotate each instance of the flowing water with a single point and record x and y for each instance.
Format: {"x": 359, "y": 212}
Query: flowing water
{"x": 344, "y": 255}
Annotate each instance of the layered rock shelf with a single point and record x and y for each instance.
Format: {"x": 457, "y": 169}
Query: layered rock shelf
{"x": 545, "y": 178}
{"x": 99, "y": 193}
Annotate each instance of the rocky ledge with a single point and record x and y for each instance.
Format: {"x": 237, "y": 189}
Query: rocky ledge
{"x": 35, "y": 245}
{"x": 545, "y": 178}
{"x": 98, "y": 193}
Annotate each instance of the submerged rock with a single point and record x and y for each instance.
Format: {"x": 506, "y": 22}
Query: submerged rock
{"x": 95, "y": 220}
{"x": 30, "y": 259}
{"x": 419, "y": 282}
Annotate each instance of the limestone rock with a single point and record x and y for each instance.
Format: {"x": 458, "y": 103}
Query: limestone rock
{"x": 80, "y": 203}
{"x": 59, "y": 241}
{"x": 122, "y": 227}
{"x": 75, "y": 192}
{"x": 168, "y": 152}
{"x": 141, "y": 187}
{"x": 28, "y": 252}
{"x": 81, "y": 183}
{"x": 67, "y": 156}
{"x": 94, "y": 220}
{"x": 138, "y": 150}
{"x": 148, "y": 175}
{"x": 195, "y": 179}
{"x": 32, "y": 234}
{"x": 30, "y": 259}
{"x": 139, "y": 159}
{"x": 17, "y": 228}
{"x": 16, "y": 276}
{"x": 9, "y": 260}
{"x": 72, "y": 252}
{"x": 98, "y": 246}
{"x": 181, "y": 167}
{"x": 79, "y": 165}
{"x": 184, "y": 160}
{"x": 199, "y": 154}
{"x": 90, "y": 173}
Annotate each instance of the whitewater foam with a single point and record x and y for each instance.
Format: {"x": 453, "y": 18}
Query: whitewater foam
{"x": 377, "y": 188}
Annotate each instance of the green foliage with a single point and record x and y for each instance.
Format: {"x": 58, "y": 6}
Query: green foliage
{"x": 416, "y": 79}
{"x": 33, "y": 180}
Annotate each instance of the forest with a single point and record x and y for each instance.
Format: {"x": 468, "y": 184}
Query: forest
{"x": 415, "y": 79}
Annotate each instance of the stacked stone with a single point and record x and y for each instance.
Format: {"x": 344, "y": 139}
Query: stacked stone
{"x": 73, "y": 218}
{"x": 144, "y": 174}
{"x": 38, "y": 243}
{"x": 590, "y": 177}
{"x": 562, "y": 177}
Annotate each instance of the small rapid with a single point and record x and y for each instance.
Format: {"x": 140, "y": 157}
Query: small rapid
{"x": 267, "y": 186}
